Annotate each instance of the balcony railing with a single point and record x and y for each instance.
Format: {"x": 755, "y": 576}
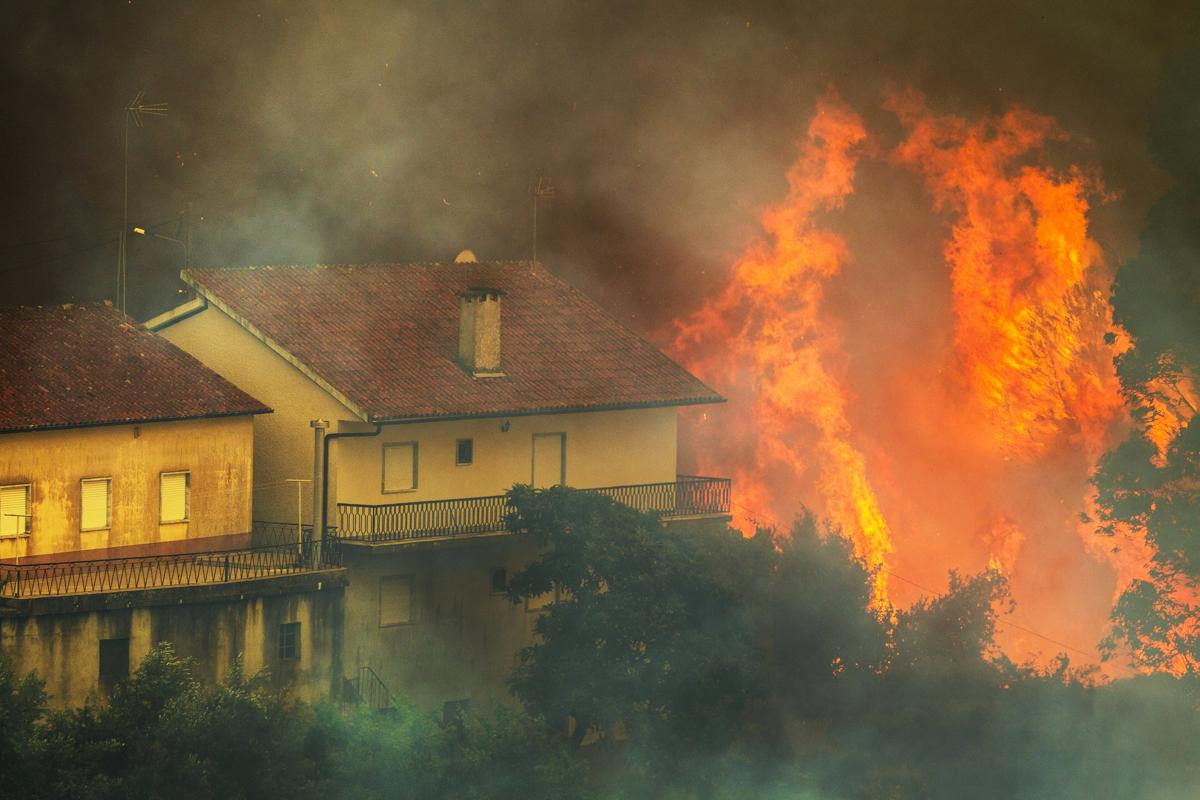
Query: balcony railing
{"x": 688, "y": 496}
{"x": 164, "y": 571}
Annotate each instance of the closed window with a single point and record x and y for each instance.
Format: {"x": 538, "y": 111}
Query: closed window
{"x": 464, "y": 452}
{"x": 114, "y": 661}
{"x": 95, "y": 504}
{"x": 499, "y": 580}
{"x": 174, "y": 488}
{"x": 395, "y": 600}
{"x": 289, "y": 641}
{"x": 400, "y": 467}
{"x": 14, "y": 510}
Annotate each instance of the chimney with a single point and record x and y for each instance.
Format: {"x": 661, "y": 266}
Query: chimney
{"x": 479, "y": 332}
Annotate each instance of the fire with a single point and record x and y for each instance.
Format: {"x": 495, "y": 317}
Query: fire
{"x": 1029, "y": 291}
{"x": 992, "y": 437}
{"x": 764, "y": 341}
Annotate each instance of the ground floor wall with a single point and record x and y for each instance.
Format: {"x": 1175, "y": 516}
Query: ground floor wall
{"x": 71, "y": 650}
{"x": 433, "y": 622}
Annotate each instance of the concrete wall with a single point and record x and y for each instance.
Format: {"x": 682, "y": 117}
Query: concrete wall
{"x": 219, "y": 453}
{"x": 603, "y": 448}
{"x": 284, "y": 438}
{"x": 63, "y": 646}
{"x": 462, "y": 640}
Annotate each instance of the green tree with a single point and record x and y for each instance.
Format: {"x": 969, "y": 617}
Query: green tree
{"x": 650, "y": 636}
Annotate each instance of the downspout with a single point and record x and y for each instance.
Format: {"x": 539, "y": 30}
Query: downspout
{"x": 324, "y": 488}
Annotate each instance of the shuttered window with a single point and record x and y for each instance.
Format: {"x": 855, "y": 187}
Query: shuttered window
{"x": 14, "y": 510}
{"x": 173, "y": 496}
{"x": 395, "y": 600}
{"x": 400, "y": 467}
{"x": 95, "y": 504}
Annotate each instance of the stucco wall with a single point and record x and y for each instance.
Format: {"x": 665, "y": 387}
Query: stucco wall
{"x": 283, "y": 438}
{"x": 219, "y": 453}
{"x": 64, "y": 648}
{"x": 462, "y": 640}
{"x": 603, "y": 448}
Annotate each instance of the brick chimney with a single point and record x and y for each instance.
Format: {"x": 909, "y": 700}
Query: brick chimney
{"x": 479, "y": 332}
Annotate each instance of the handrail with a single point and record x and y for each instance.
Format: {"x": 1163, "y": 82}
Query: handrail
{"x": 161, "y": 571}
{"x": 462, "y": 516}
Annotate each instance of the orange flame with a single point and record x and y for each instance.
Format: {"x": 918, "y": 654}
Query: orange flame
{"x": 763, "y": 341}
{"x": 986, "y": 459}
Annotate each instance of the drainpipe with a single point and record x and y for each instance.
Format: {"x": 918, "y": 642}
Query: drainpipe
{"x": 318, "y": 536}
{"x": 322, "y": 471}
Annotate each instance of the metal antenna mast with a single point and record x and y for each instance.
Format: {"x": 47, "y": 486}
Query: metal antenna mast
{"x": 136, "y": 109}
{"x": 542, "y": 189}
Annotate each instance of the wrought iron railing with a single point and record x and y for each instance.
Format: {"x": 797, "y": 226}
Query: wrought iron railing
{"x": 371, "y": 690}
{"x": 163, "y": 571}
{"x": 690, "y": 495}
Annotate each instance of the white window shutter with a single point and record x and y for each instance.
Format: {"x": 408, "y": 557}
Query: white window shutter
{"x": 400, "y": 467}
{"x": 95, "y": 504}
{"x": 14, "y": 510}
{"x": 173, "y": 497}
{"x": 395, "y": 600}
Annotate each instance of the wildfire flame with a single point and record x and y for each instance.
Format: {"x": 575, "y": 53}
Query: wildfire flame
{"x": 999, "y": 430}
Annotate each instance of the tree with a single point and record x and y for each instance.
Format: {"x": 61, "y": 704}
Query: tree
{"x": 649, "y": 636}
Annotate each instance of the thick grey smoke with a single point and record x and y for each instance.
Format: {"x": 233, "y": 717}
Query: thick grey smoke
{"x": 305, "y": 131}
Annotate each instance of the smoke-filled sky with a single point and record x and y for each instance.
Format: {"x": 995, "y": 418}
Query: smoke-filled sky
{"x": 345, "y": 132}
{"x": 363, "y": 132}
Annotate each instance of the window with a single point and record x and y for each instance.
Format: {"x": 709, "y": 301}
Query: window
{"x": 464, "y": 452}
{"x": 95, "y": 504}
{"x": 395, "y": 600}
{"x": 289, "y": 641}
{"x": 499, "y": 580}
{"x": 14, "y": 510}
{"x": 400, "y": 467}
{"x": 114, "y": 661}
{"x": 454, "y": 712}
{"x": 173, "y": 496}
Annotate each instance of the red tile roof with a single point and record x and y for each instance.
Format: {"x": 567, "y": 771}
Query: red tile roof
{"x": 75, "y": 366}
{"x": 386, "y": 338}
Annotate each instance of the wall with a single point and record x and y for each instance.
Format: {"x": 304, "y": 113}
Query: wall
{"x": 284, "y": 439}
{"x": 64, "y": 646}
{"x": 219, "y": 453}
{"x": 462, "y": 641}
{"x": 604, "y": 448}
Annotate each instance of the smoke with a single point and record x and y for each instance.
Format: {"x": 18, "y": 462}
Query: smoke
{"x": 300, "y": 131}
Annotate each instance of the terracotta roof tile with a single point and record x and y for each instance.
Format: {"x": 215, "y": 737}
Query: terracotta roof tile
{"x": 74, "y": 366}
{"x": 386, "y": 337}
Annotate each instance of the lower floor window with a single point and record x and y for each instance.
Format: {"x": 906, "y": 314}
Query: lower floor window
{"x": 289, "y": 641}
{"x": 114, "y": 661}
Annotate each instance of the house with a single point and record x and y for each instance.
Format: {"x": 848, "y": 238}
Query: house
{"x": 126, "y": 489}
{"x": 413, "y": 397}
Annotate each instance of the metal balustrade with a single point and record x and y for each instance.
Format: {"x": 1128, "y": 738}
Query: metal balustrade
{"x": 690, "y": 495}
{"x": 163, "y": 571}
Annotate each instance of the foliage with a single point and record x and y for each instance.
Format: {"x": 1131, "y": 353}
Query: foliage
{"x": 1156, "y": 299}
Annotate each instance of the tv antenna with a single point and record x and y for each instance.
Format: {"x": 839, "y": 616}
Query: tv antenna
{"x": 542, "y": 189}
{"x": 135, "y": 111}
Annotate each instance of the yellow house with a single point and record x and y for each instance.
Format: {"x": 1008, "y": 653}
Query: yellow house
{"x": 126, "y": 489}
{"x": 415, "y": 396}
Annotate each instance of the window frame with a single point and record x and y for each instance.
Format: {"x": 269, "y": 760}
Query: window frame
{"x": 294, "y": 632}
{"x": 110, "y": 679}
{"x": 503, "y": 573}
{"x": 108, "y": 504}
{"x": 411, "y": 579}
{"x": 187, "y": 496}
{"x": 416, "y": 453}
{"x": 458, "y": 443}
{"x": 28, "y": 526}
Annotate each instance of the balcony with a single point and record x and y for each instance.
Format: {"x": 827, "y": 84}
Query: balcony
{"x": 47, "y": 579}
{"x": 687, "y": 497}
